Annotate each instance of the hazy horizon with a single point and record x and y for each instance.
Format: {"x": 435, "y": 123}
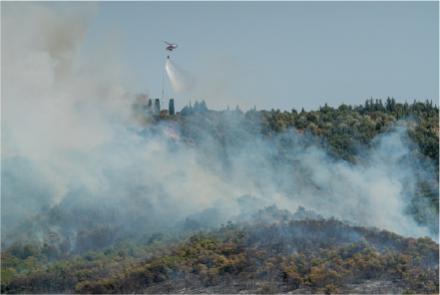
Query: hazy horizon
{"x": 275, "y": 55}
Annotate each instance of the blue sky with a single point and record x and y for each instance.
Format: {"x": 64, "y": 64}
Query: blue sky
{"x": 278, "y": 55}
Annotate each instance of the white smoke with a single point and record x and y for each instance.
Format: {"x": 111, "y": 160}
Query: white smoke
{"x": 68, "y": 140}
{"x": 56, "y": 103}
{"x": 181, "y": 81}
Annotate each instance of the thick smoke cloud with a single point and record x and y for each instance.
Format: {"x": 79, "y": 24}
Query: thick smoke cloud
{"x": 55, "y": 104}
{"x": 70, "y": 144}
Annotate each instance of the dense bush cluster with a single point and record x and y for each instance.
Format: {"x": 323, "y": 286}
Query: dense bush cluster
{"x": 309, "y": 255}
{"x": 342, "y": 129}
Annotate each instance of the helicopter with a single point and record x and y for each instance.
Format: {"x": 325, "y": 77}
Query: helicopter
{"x": 170, "y": 46}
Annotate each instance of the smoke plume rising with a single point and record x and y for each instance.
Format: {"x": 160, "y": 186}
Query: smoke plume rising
{"x": 70, "y": 145}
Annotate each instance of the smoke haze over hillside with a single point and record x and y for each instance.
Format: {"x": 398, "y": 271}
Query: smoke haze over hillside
{"x": 69, "y": 140}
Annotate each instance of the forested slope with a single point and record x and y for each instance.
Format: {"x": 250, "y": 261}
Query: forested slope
{"x": 166, "y": 233}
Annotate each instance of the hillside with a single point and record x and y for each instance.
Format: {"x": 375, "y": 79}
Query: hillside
{"x": 210, "y": 201}
{"x": 290, "y": 253}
